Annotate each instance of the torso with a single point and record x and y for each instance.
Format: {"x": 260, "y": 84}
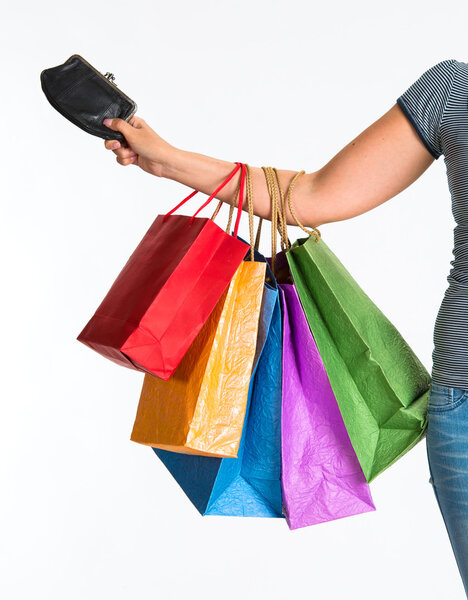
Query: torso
{"x": 450, "y": 355}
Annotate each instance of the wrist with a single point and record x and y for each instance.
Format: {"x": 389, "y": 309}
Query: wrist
{"x": 198, "y": 171}
{"x": 172, "y": 164}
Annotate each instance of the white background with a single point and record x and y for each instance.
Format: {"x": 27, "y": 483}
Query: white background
{"x": 84, "y": 512}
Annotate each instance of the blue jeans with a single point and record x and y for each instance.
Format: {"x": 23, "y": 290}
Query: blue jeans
{"x": 447, "y": 453}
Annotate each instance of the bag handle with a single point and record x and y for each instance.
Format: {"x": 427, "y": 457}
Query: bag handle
{"x": 212, "y": 195}
{"x": 239, "y": 165}
{"x": 241, "y": 194}
{"x": 278, "y": 212}
{"x": 314, "y": 231}
{"x": 282, "y": 225}
{"x": 253, "y": 244}
{"x": 278, "y": 222}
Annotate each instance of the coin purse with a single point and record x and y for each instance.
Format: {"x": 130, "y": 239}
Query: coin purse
{"x": 84, "y": 96}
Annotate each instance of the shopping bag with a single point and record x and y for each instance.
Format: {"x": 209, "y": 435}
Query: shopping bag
{"x": 380, "y": 385}
{"x": 321, "y": 476}
{"x": 201, "y": 408}
{"x": 248, "y": 485}
{"x": 166, "y": 291}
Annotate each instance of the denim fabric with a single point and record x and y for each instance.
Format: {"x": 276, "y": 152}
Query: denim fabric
{"x": 447, "y": 453}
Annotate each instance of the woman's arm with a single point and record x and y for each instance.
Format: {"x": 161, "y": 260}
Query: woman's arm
{"x": 375, "y": 166}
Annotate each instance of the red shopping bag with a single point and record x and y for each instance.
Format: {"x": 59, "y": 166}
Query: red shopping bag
{"x": 167, "y": 290}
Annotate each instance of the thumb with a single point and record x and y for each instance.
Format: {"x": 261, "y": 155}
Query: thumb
{"x": 119, "y": 125}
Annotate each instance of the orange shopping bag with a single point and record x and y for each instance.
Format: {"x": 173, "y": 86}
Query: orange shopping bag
{"x": 201, "y": 409}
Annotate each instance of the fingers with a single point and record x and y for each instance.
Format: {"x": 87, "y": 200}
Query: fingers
{"x": 117, "y": 148}
{"x": 123, "y": 153}
{"x": 115, "y": 144}
{"x": 137, "y": 122}
{"x": 127, "y": 161}
{"x": 112, "y": 144}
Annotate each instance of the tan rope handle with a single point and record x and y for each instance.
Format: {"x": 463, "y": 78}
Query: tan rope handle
{"x": 278, "y": 208}
{"x": 248, "y": 180}
{"x": 275, "y": 213}
{"x": 283, "y": 227}
{"x": 217, "y": 209}
{"x": 259, "y": 229}
{"x": 314, "y": 231}
{"x": 249, "y": 186}
{"x": 278, "y": 223}
{"x": 231, "y": 206}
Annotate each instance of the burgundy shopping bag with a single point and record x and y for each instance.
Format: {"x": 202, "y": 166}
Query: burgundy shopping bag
{"x": 167, "y": 290}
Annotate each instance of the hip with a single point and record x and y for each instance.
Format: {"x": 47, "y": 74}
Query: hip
{"x": 446, "y": 398}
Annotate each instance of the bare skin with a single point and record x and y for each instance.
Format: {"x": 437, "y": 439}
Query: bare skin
{"x": 378, "y": 164}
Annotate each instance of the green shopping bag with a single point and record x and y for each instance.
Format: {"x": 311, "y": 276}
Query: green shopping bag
{"x": 381, "y": 387}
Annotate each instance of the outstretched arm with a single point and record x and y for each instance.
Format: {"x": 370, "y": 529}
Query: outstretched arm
{"x": 378, "y": 164}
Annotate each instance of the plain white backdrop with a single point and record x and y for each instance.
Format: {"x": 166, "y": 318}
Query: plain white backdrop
{"x": 84, "y": 512}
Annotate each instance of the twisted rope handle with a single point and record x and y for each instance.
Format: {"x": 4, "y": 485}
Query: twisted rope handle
{"x": 257, "y": 238}
{"x": 283, "y": 227}
{"x": 314, "y": 231}
{"x": 251, "y": 215}
{"x": 231, "y": 207}
{"x": 276, "y": 216}
{"x": 248, "y": 179}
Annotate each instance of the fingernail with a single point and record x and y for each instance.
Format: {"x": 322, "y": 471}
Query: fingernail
{"x": 107, "y": 121}
{"x": 116, "y": 145}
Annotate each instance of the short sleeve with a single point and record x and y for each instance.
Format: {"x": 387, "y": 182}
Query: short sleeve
{"x": 425, "y": 101}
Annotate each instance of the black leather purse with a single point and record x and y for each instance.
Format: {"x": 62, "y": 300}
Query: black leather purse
{"x": 85, "y": 96}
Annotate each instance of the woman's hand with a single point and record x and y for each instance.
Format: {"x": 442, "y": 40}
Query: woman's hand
{"x": 145, "y": 148}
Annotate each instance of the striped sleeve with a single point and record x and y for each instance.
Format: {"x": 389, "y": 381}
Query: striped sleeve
{"x": 424, "y": 103}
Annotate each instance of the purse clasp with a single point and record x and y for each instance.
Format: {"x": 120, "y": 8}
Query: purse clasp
{"x": 110, "y": 77}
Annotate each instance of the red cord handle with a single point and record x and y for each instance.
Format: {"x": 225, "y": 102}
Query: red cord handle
{"x": 241, "y": 198}
{"x": 228, "y": 178}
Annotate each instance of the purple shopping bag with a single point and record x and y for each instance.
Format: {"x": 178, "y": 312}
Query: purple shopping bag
{"x": 322, "y": 479}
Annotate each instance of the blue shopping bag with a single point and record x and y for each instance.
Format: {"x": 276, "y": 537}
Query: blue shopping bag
{"x": 248, "y": 485}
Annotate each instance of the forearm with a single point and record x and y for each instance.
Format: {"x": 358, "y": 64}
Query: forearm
{"x": 205, "y": 174}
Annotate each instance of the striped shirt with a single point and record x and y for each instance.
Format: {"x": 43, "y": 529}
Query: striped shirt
{"x": 436, "y": 104}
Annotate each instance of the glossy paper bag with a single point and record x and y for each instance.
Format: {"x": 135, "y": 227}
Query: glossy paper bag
{"x": 380, "y": 385}
{"x": 201, "y": 409}
{"x": 249, "y": 485}
{"x": 321, "y": 476}
{"x": 166, "y": 292}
